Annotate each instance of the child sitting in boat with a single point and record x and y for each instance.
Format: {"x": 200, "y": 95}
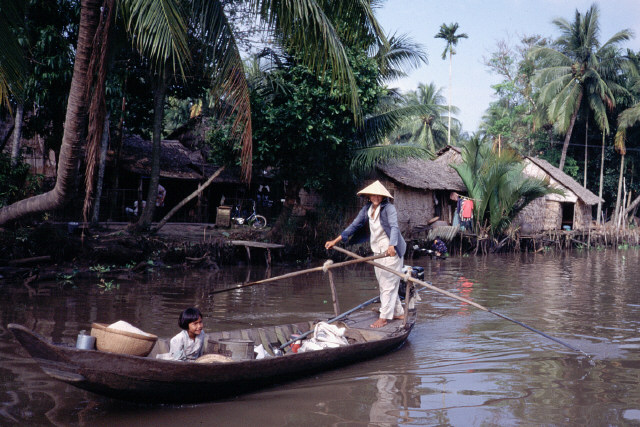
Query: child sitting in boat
{"x": 188, "y": 344}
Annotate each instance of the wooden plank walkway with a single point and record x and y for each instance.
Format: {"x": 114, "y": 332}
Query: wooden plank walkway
{"x": 261, "y": 245}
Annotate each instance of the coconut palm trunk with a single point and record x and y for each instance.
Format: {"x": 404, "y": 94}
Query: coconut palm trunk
{"x": 158, "y": 114}
{"x": 17, "y": 134}
{"x": 599, "y": 214}
{"x": 450, "y": 95}
{"x": 619, "y": 207}
{"x": 75, "y": 122}
{"x": 567, "y": 137}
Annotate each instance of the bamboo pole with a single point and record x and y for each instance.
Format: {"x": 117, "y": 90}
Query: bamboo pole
{"x": 301, "y": 272}
{"x": 334, "y": 293}
{"x": 449, "y": 294}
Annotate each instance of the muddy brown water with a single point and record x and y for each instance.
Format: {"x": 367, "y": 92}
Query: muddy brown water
{"x": 461, "y": 366}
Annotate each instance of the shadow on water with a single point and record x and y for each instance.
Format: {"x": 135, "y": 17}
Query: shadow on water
{"x": 461, "y": 366}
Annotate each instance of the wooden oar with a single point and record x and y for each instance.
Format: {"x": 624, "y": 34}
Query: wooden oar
{"x": 459, "y": 298}
{"x": 325, "y": 267}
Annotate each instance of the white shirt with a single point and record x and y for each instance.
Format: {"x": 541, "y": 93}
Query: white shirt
{"x": 184, "y": 348}
{"x": 379, "y": 240}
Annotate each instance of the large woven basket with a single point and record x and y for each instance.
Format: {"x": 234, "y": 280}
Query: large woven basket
{"x": 122, "y": 342}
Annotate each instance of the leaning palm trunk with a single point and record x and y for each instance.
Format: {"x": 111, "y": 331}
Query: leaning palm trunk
{"x": 74, "y": 129}
{"x": 186, "y": 200}
{"x": 567, "y": 137}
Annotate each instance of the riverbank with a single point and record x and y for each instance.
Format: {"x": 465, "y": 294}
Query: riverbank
{"x": 58, "y": 251}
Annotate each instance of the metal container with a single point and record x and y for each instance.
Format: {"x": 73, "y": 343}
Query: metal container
{"x": 85, "y": 342}
{"x": 239, "y": 349}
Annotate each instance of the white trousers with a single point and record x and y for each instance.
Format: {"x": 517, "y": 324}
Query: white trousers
{"x": 389, "y": 283}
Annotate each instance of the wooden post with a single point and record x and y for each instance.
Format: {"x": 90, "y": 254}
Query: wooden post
{"x": 334, "y": 294}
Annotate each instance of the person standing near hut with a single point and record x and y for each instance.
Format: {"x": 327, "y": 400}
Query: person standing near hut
{"x": 379, "y": 220}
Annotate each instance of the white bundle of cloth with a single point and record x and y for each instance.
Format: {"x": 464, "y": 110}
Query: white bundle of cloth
{"x": 324, "y": 336}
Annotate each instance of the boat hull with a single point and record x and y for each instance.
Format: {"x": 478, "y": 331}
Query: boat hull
{"x": 144, "y": 379}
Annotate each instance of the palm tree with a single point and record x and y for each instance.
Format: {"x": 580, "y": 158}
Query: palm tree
{"x": 159, "y": 29}
{"x": 497, "y": 184}
{"x": 448, "y": 33}
{"x": 576, "y": 67}
{"x": 628, "y": 119}
{"x": 429, "y": 128}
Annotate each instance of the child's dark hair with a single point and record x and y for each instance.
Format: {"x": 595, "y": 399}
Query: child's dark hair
{"x": 191, "y": 314}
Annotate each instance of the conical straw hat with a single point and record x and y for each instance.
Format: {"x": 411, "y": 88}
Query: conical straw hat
{"x": 375, "y": 189}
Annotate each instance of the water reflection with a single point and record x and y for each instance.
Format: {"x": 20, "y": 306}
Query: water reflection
{"x": 461, "y": 366}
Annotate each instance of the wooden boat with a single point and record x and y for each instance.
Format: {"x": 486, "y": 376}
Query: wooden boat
{"x": 147, "y": 379}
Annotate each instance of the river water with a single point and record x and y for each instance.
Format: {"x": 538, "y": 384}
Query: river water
{"x": 461, "y": 366}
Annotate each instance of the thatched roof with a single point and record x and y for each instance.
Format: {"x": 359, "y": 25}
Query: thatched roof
{"x": 565, "y": 180}
{"x": 176, "y": 161}
{"x": 424, "y": 174}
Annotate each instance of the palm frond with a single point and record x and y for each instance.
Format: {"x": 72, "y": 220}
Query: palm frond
{"x": 11, "y": 55}
{"x": 159, "y": 31}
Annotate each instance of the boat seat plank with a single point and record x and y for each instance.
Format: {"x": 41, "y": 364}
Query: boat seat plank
{"x": 265, "y": 341}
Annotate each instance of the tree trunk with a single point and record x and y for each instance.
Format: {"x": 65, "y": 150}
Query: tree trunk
{"x": 619, "y": 207}
{"x": 117, "y": 148}
{"x": 567, "y": 137}
{"x": 450, "y": 96}
{"x": 187, "y": 199}
{"x": 632, "y": 206}
{"x": 101, "y": 166}
{"x": 75, "y": 123}
{"x": 17, "y": 134}
{"x": 586, "y": 144}
{"x": 158, "y": 114}
{"x": 601, "y": 181}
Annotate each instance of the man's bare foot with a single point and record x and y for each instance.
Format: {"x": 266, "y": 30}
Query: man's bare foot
{"x": 379, "y": 323}
{"x": 401, "y": 317}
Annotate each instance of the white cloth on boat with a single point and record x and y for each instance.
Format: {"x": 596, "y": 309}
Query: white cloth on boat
{"x": 324, "y": 336}
{"x": 184, "y": 348}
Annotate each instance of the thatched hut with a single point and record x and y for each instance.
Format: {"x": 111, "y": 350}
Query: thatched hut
{"x": 573, "y": 210}
{"x": 422, "y": 190}
{"x": 181, "y": 171}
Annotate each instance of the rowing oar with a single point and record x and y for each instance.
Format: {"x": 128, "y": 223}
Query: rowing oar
{"x": 459, "y": 298}
{"x": 335, "y": 319}
{"x": 325, "y": 267}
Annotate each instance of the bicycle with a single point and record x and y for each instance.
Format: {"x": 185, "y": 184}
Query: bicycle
{"x": 254, "y": 220}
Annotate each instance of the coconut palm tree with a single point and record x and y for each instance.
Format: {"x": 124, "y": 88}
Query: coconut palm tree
{"x": 497, "y": 184}
{"x": 159, "y": 30}
{"x": 578, "y": 66}
{"x": 628, "y": 119}
{"x": 448, "y": 34}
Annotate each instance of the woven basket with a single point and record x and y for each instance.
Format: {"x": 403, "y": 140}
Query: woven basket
{"x": 122, "y": 342}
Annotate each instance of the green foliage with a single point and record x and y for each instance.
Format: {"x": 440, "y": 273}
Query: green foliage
{"x": 16, "y": 182}
{"x": 108, "y": 285}
{"x": 497, "y": 185}
{"x": 303, "y": 128}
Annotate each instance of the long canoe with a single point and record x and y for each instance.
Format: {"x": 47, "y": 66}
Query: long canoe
{"x": 147, "y": 379}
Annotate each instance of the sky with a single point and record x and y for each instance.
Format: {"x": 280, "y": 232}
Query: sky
{"x": 486, "y": 22}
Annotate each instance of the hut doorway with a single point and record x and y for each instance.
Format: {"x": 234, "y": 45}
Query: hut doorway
{"x": 567, "y": 215}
